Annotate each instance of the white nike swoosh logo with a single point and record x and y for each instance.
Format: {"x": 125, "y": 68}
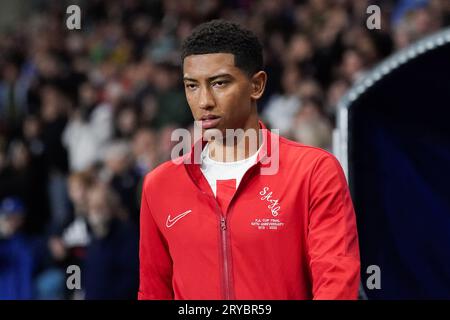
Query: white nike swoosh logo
{"x": 170, "y": 222}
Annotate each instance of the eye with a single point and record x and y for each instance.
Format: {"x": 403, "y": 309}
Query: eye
{"x": 220, "y": 84}
{"x": 190, "y": 86}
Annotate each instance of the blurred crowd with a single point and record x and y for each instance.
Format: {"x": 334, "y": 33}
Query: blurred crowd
{"x": 84, "y": 115}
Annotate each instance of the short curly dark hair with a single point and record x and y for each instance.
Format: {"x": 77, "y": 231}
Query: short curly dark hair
{"x": 221, "y": 36}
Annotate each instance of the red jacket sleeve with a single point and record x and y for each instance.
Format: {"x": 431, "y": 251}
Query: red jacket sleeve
{"x": 155, "y": 262}
{"x": 332, "y": 235}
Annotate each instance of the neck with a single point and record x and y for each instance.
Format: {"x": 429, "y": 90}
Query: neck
{"x": 237, "y": 146}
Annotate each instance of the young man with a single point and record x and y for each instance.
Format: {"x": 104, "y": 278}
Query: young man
{"x": 220, "y": 225}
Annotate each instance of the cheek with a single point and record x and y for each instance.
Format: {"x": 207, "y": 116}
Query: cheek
{"x": 235, "y": 101}
{"x": 191, "y": 100}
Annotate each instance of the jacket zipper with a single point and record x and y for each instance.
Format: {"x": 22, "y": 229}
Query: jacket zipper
{"x": 226, "y": 271}
{"x": 225, "y": 249}
{"x": 227, "y": 285}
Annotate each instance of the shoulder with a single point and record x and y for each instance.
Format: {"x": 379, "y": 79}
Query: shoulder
{"x": 293, "y": 149}
{"x": 162, "y": 174}
{"x": 307, "y": 160}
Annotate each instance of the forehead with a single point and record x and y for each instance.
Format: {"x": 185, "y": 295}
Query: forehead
{"x": 210, "y": 64}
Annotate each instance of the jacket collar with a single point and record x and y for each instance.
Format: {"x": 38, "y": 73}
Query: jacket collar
{"x": 194, "y": 156}
{"x": 192, "y": 160}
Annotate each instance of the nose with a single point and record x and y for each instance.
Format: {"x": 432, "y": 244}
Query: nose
{"x": 206, "y": 99}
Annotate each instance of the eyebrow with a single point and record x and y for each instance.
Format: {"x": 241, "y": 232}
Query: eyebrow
{"x": 222, "y": 75}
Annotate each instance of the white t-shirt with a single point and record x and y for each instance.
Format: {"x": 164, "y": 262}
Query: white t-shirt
{"x": 216, "y": 170}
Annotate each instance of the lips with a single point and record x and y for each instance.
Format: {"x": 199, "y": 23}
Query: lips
{"x": 209, "y": 121}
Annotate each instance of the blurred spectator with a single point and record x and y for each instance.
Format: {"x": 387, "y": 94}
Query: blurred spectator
{"x": 311, "y": 127}
{"x": 89, "y": 128}
{"x": 309, "y": 88}
{"x": 352, "y": 66}
{"x": 336, "y": 91}
{"x": 126, "y": 123}
{"x": 110, "y": 270}
{"x": 69, "y": 245}
{"x": 120, "y": 173}
{"x": 171, "y": 101}
{"x": 22, "y": 177}
{"x": 12, "y": 97}
{"x": 65, "y": 246}
{"x": 54, "y": 105}
{"x": 415, "y": 19}
{"x": 16, "y": 256}
{"x": 282, "y": 107}
{"x": 165, "y": 142}
{"x": 145, "y": 151}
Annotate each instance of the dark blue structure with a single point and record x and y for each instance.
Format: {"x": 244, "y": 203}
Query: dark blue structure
{"x": 399, "y": 172}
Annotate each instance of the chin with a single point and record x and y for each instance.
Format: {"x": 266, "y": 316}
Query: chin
{"x": 211, "y": 133}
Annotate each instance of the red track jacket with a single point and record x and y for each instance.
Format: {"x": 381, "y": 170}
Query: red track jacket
{"x": 291, "y": 235}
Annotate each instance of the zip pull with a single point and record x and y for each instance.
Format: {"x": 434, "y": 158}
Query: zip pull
{"x": 223, "y": 224}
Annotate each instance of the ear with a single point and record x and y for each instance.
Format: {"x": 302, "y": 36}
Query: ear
{"x": 258, "y": 80}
